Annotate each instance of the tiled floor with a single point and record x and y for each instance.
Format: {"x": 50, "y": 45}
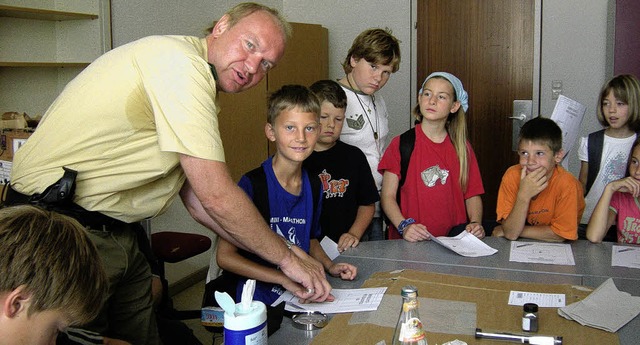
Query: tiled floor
{"x": 191, "y": 298}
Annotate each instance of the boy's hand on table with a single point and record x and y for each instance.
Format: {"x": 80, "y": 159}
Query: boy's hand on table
{"x": 346, "y": 241}
{"x": 344, "y": 271}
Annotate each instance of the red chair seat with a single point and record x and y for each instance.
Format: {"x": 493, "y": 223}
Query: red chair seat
{"x": 172, "y": 247}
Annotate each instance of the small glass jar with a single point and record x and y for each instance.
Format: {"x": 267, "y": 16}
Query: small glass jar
{"x": 530, "y": 317}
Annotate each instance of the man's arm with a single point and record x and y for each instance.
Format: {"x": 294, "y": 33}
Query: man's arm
{"x": 215, "y": 201}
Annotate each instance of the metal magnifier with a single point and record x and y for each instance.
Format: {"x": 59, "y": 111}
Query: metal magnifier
{"x": 522, "y": 339}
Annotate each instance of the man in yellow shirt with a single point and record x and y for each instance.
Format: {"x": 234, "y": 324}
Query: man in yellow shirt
{"x": 139, "y": 126}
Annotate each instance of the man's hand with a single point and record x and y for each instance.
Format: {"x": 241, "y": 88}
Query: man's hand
{"x": 531, "y": 184}
{"x": 309, "y": 273}
{"x": 416, "y": 232}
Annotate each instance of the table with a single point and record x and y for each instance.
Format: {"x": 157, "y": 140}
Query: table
{"x": 593, "y": 267}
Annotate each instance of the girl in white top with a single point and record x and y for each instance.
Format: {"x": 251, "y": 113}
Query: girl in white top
{"x": 619, "y": 113}
{"x": 372, "y": 58}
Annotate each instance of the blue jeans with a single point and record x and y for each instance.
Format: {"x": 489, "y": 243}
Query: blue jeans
{"x": 375, "y": 231}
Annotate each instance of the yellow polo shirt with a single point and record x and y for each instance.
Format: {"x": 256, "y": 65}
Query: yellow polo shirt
{"x": 121, "y": 124}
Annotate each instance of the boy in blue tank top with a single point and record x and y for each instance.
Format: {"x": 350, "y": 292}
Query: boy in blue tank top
{"x": 284, "y": 193}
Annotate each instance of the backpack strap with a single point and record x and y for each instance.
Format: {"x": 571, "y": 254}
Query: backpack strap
{"x": 407, "y": 143}
{"x": 594, "y": 149}
{"x": 259, "y": 187}
{"x": 258, "y": 180}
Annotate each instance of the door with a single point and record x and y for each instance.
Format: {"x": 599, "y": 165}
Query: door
{"x": 489, "y": 45}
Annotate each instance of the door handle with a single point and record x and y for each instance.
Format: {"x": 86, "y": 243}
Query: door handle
{"x": 521, "y": 117}
{"x": 522, "y": 111}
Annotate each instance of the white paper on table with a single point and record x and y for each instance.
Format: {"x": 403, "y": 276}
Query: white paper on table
{"x": 625, "y": 256}
{"x": 555, "y": 300}
{"x": 330, "y": 247}
{"x": 465, "y": 244}
{"x": 542, "y": 253}
{"x": 346, "y": 301}
{"x": 568, "y": 115}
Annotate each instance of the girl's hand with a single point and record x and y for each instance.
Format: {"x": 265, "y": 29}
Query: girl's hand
{"x": 347, "y": 241}
{"x": 476, "y": 229}
{"x": 416, "y": 232}
{"x": 344, "y": 271}
{"x": 626, "y": 185}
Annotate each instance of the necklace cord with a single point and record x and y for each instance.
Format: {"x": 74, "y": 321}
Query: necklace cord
{"x": 374, "y": 130}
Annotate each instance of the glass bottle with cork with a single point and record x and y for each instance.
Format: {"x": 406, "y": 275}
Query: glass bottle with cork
{"x": 409, "y": 330}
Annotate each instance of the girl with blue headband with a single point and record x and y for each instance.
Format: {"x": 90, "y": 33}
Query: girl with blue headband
{"x": 434, "y": 168}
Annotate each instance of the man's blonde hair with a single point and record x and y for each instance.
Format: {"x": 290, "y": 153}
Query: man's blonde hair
{"x": 246, "y": 8}
{"x": 52, "y": 257}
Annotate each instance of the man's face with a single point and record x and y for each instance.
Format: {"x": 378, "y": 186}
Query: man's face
{"x": 244, "y": 53}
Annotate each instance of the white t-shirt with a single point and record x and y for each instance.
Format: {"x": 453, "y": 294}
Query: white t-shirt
{"x": 613, "y": 166}
{"x": 366, "y": 127}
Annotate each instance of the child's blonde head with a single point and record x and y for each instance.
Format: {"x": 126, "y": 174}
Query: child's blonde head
{"x": 52, "y": 257}
{"x": 290, "y": 97}
{"x": 456, "y": 124}
{"x": 625, "y": 88}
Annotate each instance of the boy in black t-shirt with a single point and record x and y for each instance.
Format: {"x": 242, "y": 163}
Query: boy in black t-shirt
{"x": 349, "y": 190}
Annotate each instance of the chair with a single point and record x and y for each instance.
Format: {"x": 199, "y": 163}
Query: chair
{"x": 174, "y": 247}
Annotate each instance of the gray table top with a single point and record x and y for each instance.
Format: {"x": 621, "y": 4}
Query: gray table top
{"x": 592, "y": 268}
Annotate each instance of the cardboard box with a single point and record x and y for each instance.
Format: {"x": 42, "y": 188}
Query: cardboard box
{"x": 11, "y": 140}
{"x": 13, "y": 120}
{"x": 493, "y": 314}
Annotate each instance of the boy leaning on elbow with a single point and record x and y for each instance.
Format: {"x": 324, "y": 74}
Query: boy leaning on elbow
{"x": 538, "y": 199}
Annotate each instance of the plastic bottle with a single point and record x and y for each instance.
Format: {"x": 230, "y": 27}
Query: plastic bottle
{"x": 409, "y": 330}
{"x": 530, "y": 317}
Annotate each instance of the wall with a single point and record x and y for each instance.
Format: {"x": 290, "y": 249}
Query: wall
{"x": 574, "y": 40}
{"x": 345, "y": 20}
{"x": 627, "y": 45}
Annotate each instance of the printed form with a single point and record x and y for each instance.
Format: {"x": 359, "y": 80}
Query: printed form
{"x": 625, "y": 256}
{"x": 465, "y": 244}
{"x": 347, "y": 301}
{"x": 542, "y": 253}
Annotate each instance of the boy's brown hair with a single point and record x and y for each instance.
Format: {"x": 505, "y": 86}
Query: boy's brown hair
{"x": 51, "y": 255}
{"x": 543, "y": 131}
{"x": 376, "y": 46}
{"x": 330, "y": 91}
{"x": 289, "y": 97}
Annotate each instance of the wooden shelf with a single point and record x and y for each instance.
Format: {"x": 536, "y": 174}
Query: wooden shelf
{"x": 40, "y": 14}
{"x": 43, "y": 64}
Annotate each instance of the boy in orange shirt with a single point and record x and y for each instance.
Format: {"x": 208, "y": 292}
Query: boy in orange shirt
{"x": 539, "y": 199}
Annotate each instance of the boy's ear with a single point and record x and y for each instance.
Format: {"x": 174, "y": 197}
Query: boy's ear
{"x": 353, "y": 61}
{"x": 221, "y": 26}
{"x": 558, "y": 156}
{"x": 269, "y": 132}
{"x": 16, "y": 301}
